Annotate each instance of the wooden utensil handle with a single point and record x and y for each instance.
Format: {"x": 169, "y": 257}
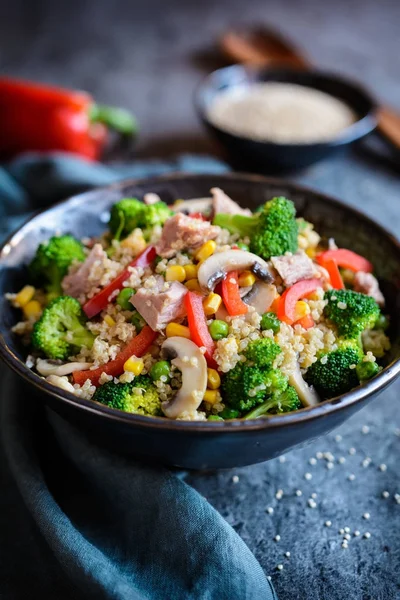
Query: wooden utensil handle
{"x": 389, "y": 125}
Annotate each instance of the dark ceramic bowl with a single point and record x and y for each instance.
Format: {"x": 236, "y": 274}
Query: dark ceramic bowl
{"x": 201, "y": 445}
{"x": 270, "y": 157}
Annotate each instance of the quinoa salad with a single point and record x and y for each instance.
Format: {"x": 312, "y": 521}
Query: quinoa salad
{"x": 202, "y": 310}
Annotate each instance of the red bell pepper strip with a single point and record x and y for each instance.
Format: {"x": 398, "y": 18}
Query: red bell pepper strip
{"x": 37, "y": 117}
{"x": 136, "y": 347}
{"x": 198, "y": 327}
{"x": 334, "y": 273}
{"x": 346, "y": 259}
{"x": 306, "y": 322}
{"x": 287, "y": 302}
{"x": 231, "y": 296}
{"x": 100, "y": 300}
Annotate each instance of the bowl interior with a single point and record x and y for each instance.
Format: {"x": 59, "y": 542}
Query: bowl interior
{"x": 240, "y": 76}
{"x": 87, "y": 215}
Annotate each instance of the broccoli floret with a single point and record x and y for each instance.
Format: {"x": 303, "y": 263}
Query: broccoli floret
{"x": 228, "y": 413}
{"x": 351, "y": 312}
{"x": 51, "y": 261}
{"x": 61, "y": 330}
{"x": 140, "y": 396}
{"x": 129, "y": 213}
{"x": 246, "y": 386}
{"x": 286, "y": 401}
{"x": 262, "y": 352}
{"x": 335, "y": 372}
{"x": 272, "y": 231}
{"x": 366, "y": 370}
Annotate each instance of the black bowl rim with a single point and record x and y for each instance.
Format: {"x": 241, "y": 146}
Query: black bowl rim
{"x": 352, "y": 133}
{"x": 375, "y": 385}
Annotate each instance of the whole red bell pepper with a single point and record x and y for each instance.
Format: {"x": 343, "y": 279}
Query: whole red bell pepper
{"x": 41, "y": 118}
{"x": 96, "y": 304}
{"x": 136, "y": 347}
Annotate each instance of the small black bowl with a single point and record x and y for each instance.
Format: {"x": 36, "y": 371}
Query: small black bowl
{"x": 259, "y": 156}
{"x": 194, "y": 444}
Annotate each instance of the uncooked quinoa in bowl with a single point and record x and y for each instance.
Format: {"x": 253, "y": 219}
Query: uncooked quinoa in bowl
{"x": 202, "y": 310}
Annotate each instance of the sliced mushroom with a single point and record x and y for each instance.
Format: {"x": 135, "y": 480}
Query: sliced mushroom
{"x": 261, "y": 296}
{"x": 306, "y": 393}
{"x": 53, "y": 367}
{"x": 202, "y": 205}
{"x": 61, "y": 382}
{"x": 214, "y": 268}
{"x": 186, "y": 356}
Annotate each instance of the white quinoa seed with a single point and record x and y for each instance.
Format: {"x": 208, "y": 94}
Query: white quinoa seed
{"x": 235, "y": 479}
{"x": 356, "y": 533}
{"x": 320, "y": 455}
{"x": 270, "y": 510}
{"x": 287, "y": 554}
{"x": 352, "y": 451}
{"x": 299, "y": 493}
{"x": 365, "y": 429}
{"x": 367, "y": 535}
{"x": 385, "y": 494}
{"x": 341, "y": 460}
{"x": 383, "y": 467}
{"x": 282, "y": 459}
{"x": 328, "y": 523}
{"x": 277, "y": 538}
{"x": 338, "y": 438}
{"x": 366, "y": 516}
{"x": 351, "y": 477}
{"x": 307, "y": 476}
{"x": 312, "y": 461}
{"x": 279, "y": 567}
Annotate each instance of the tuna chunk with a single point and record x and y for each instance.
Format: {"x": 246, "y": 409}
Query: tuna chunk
{"x": 160, "y": 304}
{"x": 181, "y": 232}
{"x": 223, "y": 204}
{"x": 77, "y": 282}
{"x": 367, "y": 284}
{"x": 294, "y": 268}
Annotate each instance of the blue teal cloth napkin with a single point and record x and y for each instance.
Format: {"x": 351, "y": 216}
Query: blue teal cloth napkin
{"x": 77, "y": 521}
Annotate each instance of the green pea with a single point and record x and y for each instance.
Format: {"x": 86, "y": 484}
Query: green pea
{"x": 243, "y": 246}
{"x": 229, "y": 413}
{"x": 160, "y": 369}
{"x": 123, "y": 298}
{"x": 269, "y": 320}
{"x": 366, "y": 370}
{"x": 214, "y": 418}
{"x": 382, "y": 323}
{"x": 218, "y": 329}
{"x": 138, "y": 321}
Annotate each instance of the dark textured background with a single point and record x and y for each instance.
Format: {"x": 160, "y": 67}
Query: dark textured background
{"x": 149, "y": 56}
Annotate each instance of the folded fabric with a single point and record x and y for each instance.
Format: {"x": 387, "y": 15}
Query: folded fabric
{"x": 78, "y": 521}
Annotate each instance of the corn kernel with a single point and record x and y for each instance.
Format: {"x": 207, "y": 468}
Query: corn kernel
{"x": 134, "y": 365}
{"x": 246, "y": 278}
{"x": 190, "y": 271}
{"x": 211, "y": 396}
{"x": 311, "y": 252}
{"x": 135, "y": 241}
{"x": 213, "y": 379}
{"x": 301, "y": 310}
{"x": 193, "y": 285}
{"x": 109, "y": 320}
{"x": 174, "y": 329}
{"x": 24, "y": 296}
{"x": 32, "y": 309}
{"x": 175, "y": 273}
{"x": 212, "y": 303}
{"x": 206, "y": 250}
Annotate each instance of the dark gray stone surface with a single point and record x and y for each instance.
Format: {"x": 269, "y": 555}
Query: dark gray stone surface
{"x": 149, "y": 56}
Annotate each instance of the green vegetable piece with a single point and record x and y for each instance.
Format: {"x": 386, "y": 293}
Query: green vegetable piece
{"x": 382, "y": 323}
{"x": 218, "y": 329}
{"x": 269, "y": 320}
{"x": 351, "y": 312}
{"x": 366, "y": 370}
{"x": 229, "y": 413}
{"x": 273, "y": 230}
{"x": 118, "y": 119}
{"x": 263, "y": 352}
{"x": 129, "y": 213}
{"x": 60, "y": 331}
{"x": 52, "y": 260}
{"x": 138, "y": 321}
{"x": 243, "y": 246}
{"x": 335, "y": 373}
{"x": 286, "y": 401}
{"x": 160, "y": 369}
{"x": 123, "y": 298}
{"x": 215, "y": 418}
{"x": 125, "y": 396}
